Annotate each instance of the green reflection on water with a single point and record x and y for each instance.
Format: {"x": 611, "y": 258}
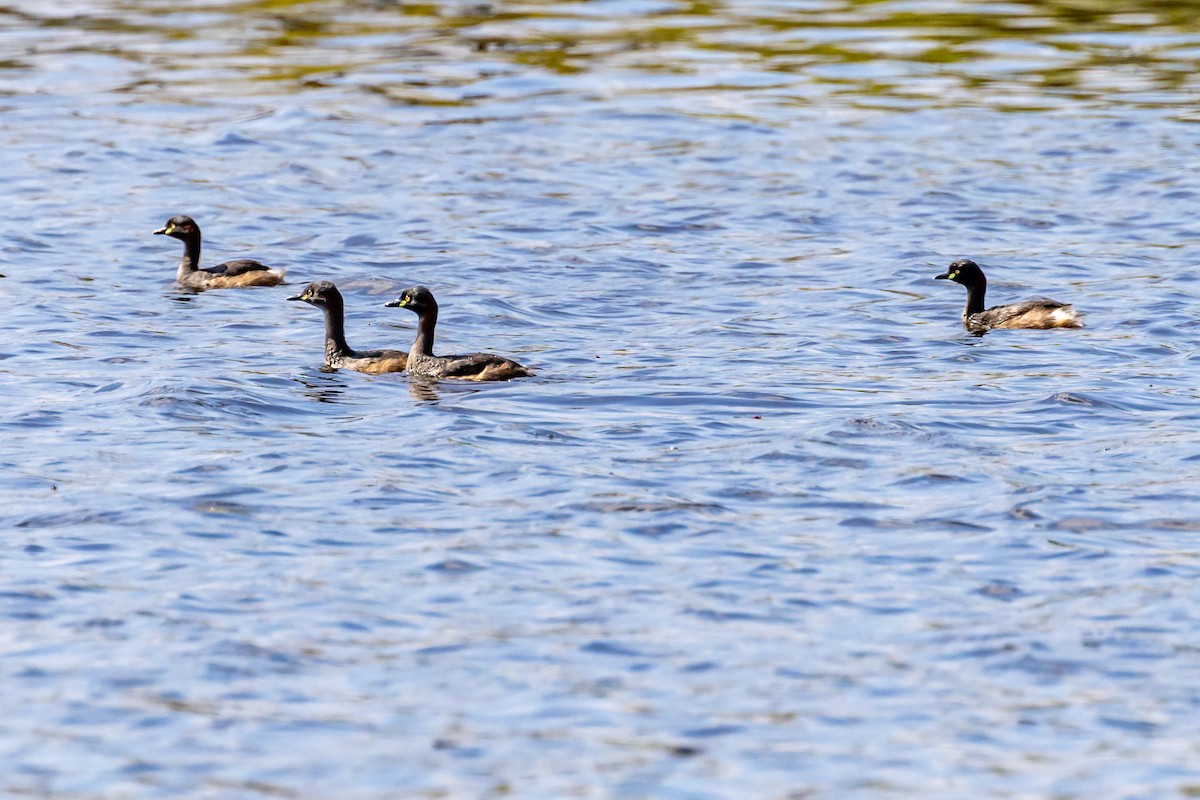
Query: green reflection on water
{"x": 1027, "y": 54}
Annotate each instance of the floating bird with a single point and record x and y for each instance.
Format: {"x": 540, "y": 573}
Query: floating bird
{"x": 422, "y": 361}
{"x": 242, "y": 272}
{"x": 1040, "y": 313}
{"x": 339, "y": 355}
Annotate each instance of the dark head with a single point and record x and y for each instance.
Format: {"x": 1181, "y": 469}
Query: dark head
{"x": 963, "y": 271}
{"x": 180, "y": 226}
{"x": 321, "y": 294}
{"x": 415, "y": 298}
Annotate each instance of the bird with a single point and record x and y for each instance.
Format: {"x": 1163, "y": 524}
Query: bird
{"x": 241, "y": 272}
{"x": 1040, "y": 313}
{"x": 339, "y": 355}
{"x": 422, "y": 361}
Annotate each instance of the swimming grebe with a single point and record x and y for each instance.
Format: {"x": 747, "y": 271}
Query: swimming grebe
{"x": 241, "y": 272}
{"x": 339, "y": 355}
{"x": 1039, "y": 313}
{"x": 422, "y": 361}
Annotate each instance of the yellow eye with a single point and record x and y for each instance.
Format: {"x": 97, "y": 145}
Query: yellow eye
{"x": 954, "y": 275}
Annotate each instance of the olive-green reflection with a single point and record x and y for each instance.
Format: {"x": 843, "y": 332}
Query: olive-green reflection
{"x": 1110, "y": 51}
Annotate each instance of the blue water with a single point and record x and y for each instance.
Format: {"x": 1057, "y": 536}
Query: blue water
{"x": 767, "y": 524}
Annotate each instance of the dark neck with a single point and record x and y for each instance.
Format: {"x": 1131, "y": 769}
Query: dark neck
{"x": 191, "y": 255}
{"x": 425, "y": 325}
{"x": 975, "y": 295}
{"x": 335, "y": 331}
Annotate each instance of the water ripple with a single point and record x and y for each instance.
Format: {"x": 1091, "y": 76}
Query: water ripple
{"x": 768, "y": 520}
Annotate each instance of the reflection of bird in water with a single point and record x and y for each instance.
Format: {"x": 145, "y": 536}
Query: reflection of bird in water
{"x": 327, "y": 388}
{"x": 424, "y": 390}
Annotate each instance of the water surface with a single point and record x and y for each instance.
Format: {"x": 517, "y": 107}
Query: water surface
{"x": 767, "y": 524}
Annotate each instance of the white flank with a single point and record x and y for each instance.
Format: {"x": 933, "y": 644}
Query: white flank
{"x": 1064, "y": 316}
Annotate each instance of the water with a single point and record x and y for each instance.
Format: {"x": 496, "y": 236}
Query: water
{"x": 767, "y": 524}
